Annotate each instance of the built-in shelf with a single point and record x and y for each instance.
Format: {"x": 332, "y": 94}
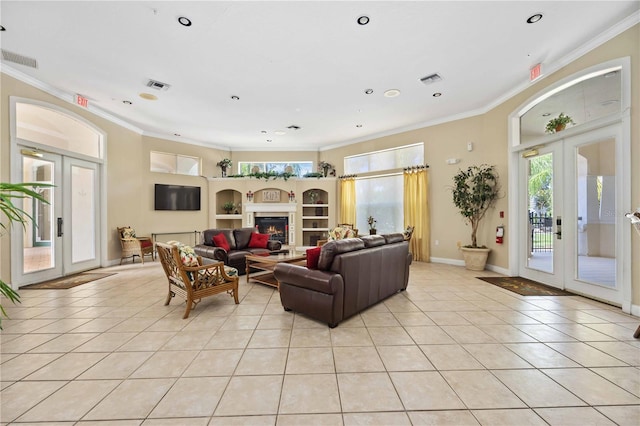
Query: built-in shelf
{"x": 315, "y": 229}
{"x": 228, "y": 216}
{"x": 315, "y": 217}
{"x": 315, "y": 205}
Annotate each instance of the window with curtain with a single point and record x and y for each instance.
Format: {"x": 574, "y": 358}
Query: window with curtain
{"x": 380, "y": 187}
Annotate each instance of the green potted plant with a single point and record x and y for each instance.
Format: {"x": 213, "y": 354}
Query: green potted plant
{"x": 372, "y": 225}
{"x": 10, "y": 192}
{"x": 559, "y": 123}
{"x": 475, "y": 191}
{"x": 224, "y": 164}
{"x": 228, "y": 207}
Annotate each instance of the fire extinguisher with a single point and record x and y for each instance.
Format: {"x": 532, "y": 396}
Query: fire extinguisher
{"x": 500, "y": 234}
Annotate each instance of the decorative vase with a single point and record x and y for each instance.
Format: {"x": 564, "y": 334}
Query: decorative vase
{"x": 561, "y": 127}
{"x": 224, "y": 171}
{"x": 372, "y": 231}
{"x": 325, "y": 171}
{"x": 475, "y": 259}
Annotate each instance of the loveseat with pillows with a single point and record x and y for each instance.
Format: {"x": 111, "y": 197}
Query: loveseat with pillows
{"x": 231, "y": 246}
{"x": 351, "y": 275}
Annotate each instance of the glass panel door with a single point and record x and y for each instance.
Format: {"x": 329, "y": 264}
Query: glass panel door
{"x": 39, "y": 260}
{"x": 592, "y": 198}
{"x": 81, "y": 215}
{"x": 541, "y": 225}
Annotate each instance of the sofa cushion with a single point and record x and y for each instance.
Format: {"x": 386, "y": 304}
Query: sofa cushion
{"x": 394, "y": 238}
{"x": 373, "y": 240}
{"x": 220, "y": 240}
{"x": 333, "y": 248}
{"x": 208, "y": 234}
{"x": 313, "y": 256}
{"x": 242, "y": 236}
{"x": 258, "y": 240}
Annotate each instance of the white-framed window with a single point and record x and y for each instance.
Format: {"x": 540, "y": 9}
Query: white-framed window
{"x": 385, "y": 160}
{"x": 380, "y": 189}
{"x": 297, "y": 168}
{"x": 162, "y": 162}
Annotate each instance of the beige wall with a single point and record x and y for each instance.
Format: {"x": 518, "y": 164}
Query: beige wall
{"x": 128, "y": 163}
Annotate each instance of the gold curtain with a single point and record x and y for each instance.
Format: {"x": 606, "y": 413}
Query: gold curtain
{"x": 416, "y": 211}
{"x": 348, "y": 200}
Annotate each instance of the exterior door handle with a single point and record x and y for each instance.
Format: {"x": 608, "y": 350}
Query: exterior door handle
{"x": 60, "y": 227}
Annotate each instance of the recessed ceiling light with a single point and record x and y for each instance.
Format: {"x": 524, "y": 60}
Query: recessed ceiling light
{"x": 127, "y": 102}
{"x": 269, "y": 140}
{"x": 264, "y": 132}
{"x": 534, "y": 18}
{"x": 546, "y": 114}
{"x": 235, "y": 98}
{"x": 294, "y": 127}
{"x": 368, "y": 91}
{"x": 358, "y": 125}
{"x": 437, "y": 95}
{"x": 148, "y": 96}
{"x": 609, "y": 102}
{"x": 184, "y": 21}
{"x": 363, "y": 20}
{"x": 177, "y": 134}
{"x": 392, "y": 93}
{"x": 280, "y": 132}
{"x": 2, "y": 28}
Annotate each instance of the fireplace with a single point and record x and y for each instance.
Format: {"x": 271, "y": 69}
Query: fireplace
{"x": 275, "y": 226}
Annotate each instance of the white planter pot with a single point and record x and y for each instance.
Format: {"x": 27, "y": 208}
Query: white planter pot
{"x": 475, "y": 259}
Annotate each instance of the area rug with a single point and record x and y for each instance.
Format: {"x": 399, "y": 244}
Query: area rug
{"x": 66, "y": 282}
{"x": 525, "y": 287}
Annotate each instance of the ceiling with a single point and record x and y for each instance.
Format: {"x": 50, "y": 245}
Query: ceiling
{"x": 305, "y": 64}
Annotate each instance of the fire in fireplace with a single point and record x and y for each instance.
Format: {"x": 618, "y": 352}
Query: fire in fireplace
{"x": 276, "y": 227}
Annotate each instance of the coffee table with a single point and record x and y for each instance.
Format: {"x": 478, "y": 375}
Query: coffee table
{"x": 266, "y": 264}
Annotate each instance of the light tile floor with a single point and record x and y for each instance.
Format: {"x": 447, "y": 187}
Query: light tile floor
{"x": 451, "y": 350}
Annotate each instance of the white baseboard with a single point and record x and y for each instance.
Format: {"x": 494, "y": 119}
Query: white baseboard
{"x": 635, "y": 310}
{"x": 460, "y": 262}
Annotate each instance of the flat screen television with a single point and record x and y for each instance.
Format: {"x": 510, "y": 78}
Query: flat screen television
{"x": 177, "y": 197}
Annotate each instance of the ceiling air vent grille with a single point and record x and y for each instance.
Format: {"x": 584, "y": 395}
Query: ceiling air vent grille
{"x": 19, "y": 59}
{"x": 293, "y": 127}
{"x": 433, "y": 78}
{"x": 158, "y": 85}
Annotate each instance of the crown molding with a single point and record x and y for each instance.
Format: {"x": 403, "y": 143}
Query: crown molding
{"x": 67, "y": 97}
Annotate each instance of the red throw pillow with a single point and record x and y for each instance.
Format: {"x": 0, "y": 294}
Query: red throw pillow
{"x": 313, "y": 255}
{"x": 221, "y": 241}
{"x": 258, "y": 240}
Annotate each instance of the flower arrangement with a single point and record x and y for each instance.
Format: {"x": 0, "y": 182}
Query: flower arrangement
{"x": 325, "y": 167}
{"x": 225, "y": 162}
{"x": 228, "y": 207}
{"x": 372, "y": 223}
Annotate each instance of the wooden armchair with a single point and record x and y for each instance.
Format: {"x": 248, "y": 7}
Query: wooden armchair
{"x": 193, "y": 283}
{"x": 133, "y": 246}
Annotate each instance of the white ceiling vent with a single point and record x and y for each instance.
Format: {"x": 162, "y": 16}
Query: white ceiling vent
{"x": 433, "y": 78}
{"x": 19, "y": 59}
{"x": 158, "y": 85}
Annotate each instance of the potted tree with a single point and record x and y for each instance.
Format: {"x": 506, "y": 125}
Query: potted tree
{"x": 558, "y": 124}
{"x": 475, "y": 191}
{"x": 228, "y": 207}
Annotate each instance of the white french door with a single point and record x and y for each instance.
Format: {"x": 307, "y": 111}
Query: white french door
{"x": 570, "y": 222}
{"x": 63, "y": 237}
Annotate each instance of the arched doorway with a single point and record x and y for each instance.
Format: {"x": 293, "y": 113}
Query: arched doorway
{"x": 52, "y": 145}
{"x": 569, "y": 189}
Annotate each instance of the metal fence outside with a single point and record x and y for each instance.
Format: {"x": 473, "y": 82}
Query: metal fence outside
{"x": 541, "y": 232}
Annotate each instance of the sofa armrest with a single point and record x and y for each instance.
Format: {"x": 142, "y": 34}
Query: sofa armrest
{"x": 210, "y": 252}
{"x": 274, "y": 245}
{"x": 312, "y": 279}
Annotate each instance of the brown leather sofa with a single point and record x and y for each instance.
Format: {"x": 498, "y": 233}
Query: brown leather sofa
{"x": 352, "y": 275}
{"x": 238, "y": 240}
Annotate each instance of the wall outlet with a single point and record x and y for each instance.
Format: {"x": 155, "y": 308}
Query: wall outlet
{"x": 437, "y": 242}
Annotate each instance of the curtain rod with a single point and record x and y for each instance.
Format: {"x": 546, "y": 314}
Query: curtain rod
{"x": 348, "y": 176}
{"x": 420, "y": 167}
